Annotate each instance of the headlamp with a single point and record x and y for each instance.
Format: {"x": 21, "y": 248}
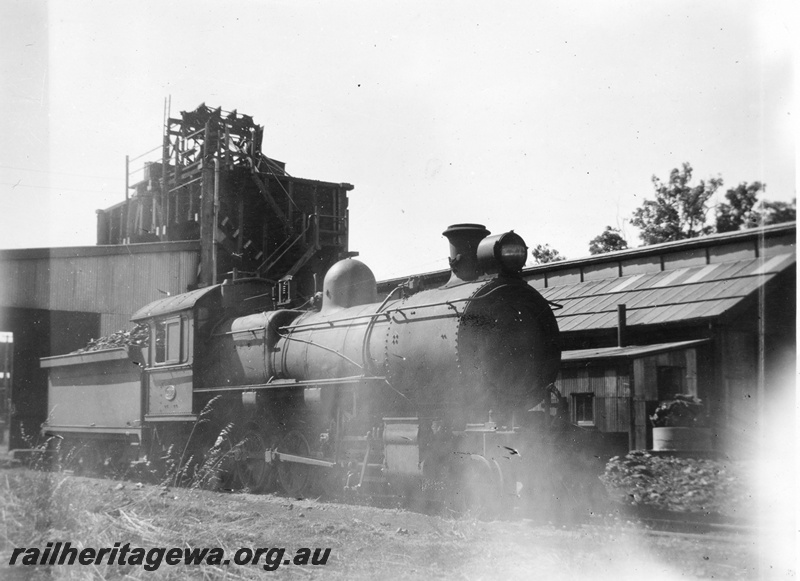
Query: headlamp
{"x": 504, "y": 253}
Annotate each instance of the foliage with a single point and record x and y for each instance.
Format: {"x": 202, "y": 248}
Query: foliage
{"x": 744, "y": 211}
{"x": 542, "y": 254}
{"x": 684, "y": 411}
{"x": 679, "y": 210}
{"x": 677, "y": 484}
{"x": 609, "y": 241}
{"x": 194, "y": 471}
{"x": 738, "y": 212}
{"x": 778, "y": 212}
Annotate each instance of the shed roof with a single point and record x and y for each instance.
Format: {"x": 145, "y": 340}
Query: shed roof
{"x": 685, "y": 294}
{"x": 628, "y": 352}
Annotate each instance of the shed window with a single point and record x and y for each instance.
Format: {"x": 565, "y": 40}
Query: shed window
{"x": 167, "y": 341}
{"x": 583, "y": 408}
{"x": 669, "y": 381}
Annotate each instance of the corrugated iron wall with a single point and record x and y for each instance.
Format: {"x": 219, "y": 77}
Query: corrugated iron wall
{"x": 646, "y": 371}
{"x": 610, "y": 387}
{"x": 113, "y": 282}
{"x": 607, "y": 381}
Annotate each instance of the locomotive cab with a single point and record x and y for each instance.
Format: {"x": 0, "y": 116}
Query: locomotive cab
{"x": 179, "y": 330}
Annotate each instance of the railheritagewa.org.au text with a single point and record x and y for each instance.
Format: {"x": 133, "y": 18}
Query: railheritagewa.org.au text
{"x": 63, "y": 553}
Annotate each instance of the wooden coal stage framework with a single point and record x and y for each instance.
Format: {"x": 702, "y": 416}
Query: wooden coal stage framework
{"x": 210, "y": 181}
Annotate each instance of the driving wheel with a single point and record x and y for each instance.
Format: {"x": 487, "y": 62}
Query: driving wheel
{"x": 293, "y": 476}
{"x": 252, "y": 470}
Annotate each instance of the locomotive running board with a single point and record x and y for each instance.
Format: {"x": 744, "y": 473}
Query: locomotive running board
{"x": 270, "y": 456}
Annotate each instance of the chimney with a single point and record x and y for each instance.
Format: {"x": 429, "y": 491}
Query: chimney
{"x": 622, "y": 325}
{"x": 464, "y": 239}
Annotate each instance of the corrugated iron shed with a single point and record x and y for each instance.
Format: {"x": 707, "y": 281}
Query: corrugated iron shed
{"x": 113, "y": 281}
{"x": 686, "y": 294}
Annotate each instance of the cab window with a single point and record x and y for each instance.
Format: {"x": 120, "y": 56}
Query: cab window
{"x": 167, "y": 341}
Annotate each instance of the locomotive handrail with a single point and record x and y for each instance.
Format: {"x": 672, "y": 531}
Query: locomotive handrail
{"x": 366, "y": 356}
{"x": 392, "y": 311}
{"x": 278, "y": 383}
{"x": 330, "y": 323}
{"x": 431, "y": 305}
{"x": 381, "y": 314}
{"x": 323, "y": 347}
{"x": 249, "y": 330}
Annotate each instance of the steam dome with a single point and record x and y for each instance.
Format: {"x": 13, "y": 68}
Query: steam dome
{"x": 348, "y": 283}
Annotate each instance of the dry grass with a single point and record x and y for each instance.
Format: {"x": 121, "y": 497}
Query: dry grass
{"x": 367, "y": 543}
{"x": 40, "y": 507}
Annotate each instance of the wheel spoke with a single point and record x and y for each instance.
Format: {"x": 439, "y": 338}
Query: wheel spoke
{"x": 251, "y": 468}
{"x": 294, "y": 477}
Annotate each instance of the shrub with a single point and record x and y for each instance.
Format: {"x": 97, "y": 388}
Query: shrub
{"x": 684, "y": 411}
{"x": 677, "y": 484}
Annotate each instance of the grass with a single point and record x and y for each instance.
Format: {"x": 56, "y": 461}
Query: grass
{"x": 49, "y": 503}
{"x": 39, "y": 506}
{"x": 366, "y": 542}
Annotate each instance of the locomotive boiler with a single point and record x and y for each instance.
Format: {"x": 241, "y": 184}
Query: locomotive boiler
{"x": 427, "y": 393}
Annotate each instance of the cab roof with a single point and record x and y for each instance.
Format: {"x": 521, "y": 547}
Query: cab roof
{"x": 176, "y": 304}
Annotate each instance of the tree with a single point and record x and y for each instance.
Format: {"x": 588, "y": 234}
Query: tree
{"x": 743, "y": 210}
{"x": 777, "y": 212}
{"x": 738, "y": 212}
{"x": 679, "y": 210}
{"x": 542, "y": 254}
{"x": 609, "y": 241}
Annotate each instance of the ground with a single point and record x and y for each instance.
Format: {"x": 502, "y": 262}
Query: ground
{"x": 365, "y": 542}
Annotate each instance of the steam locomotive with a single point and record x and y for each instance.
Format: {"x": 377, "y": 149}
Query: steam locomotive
{"x": 439, "y": 393}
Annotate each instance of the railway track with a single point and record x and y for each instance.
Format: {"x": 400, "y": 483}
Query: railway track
{"x": 708, "y": 527}
{"x": 691, "y": 530}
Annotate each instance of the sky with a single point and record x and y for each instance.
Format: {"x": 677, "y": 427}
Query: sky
{"x": 549, "y": 118}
